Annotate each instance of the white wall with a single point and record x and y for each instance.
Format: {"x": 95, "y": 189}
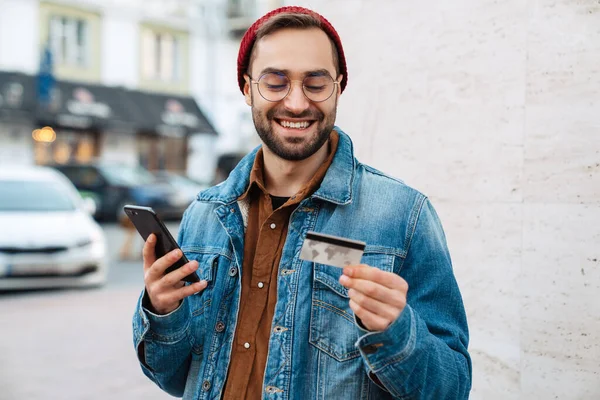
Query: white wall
{"x": 19, "y": 36}
{"x": 492, "y": 109}
{"x": 120, "y": 49}
{"x": 202, "y": 157}
{"x": 202, "y": 77}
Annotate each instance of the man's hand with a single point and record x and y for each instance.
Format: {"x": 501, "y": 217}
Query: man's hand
{"x": 377, "y": 297}
{"x": 166, "y": 291}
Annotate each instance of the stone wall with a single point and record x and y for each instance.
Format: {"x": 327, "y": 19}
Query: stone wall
{"x": 492, "y": 108}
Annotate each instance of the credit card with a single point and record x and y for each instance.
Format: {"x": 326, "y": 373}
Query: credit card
{"x": 331, "y": 250}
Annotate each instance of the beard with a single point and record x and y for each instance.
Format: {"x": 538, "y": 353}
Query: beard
{"x": 293, "y": 148}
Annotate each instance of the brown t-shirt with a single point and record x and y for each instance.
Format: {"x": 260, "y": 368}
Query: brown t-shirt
{"x": 264, "y": 241}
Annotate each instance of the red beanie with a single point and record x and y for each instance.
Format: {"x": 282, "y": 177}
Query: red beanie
{"x": 250, "y": 37}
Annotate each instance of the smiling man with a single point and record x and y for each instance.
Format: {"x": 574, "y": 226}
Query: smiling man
{"x": 264, "y": 323}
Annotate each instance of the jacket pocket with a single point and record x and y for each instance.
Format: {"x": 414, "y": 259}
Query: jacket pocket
{"x": 207, "y": 265}
{"x": 201, "y": 303}
{"x": 332, "y": 326}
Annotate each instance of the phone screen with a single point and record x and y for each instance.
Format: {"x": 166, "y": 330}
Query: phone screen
{"x": 146, "y": 222}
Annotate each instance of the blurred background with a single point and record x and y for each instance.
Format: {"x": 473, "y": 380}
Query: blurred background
{"x": 490, "y": 108}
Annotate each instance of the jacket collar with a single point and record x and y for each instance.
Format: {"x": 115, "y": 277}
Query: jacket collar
{"x": 335, "y": 188}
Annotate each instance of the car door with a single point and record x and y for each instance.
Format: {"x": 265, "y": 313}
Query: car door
{"x": 89, "y": 183}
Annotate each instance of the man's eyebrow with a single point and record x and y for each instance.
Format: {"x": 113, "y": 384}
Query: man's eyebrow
{"x": 316, "y": 72}
{"x": 269, "y": 70}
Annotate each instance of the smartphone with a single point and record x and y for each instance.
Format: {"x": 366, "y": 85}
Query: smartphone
{"x": 146, "y": 221}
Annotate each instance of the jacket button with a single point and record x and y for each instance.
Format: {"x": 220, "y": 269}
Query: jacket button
{"x": 233, "y": 271}
{"x": 220, "y": 327}
{"x": 206, "y": 386}
{"x": 272, "y": 389}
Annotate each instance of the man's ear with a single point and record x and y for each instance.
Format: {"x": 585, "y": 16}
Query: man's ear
{"x": 339, "y": 86}
{"x": 247, "y": 88}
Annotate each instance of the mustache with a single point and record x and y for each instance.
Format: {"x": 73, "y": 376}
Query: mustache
{"x": 306, "y": 114}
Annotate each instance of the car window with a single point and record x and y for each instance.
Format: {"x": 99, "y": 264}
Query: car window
{"x": 89, "y": 177}
{"x": 35, "y": 196}
{"x": 126, "y": 175}
{"x": 71, "y": 173}
{"x": 82, "y": 176}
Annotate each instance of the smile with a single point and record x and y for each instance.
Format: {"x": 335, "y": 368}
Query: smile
{"x": 294, "y": 124}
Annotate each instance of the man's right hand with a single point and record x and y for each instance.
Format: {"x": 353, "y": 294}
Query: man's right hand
{"x": 166, "y": 291}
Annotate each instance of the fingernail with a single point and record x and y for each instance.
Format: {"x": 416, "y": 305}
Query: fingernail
{"x": 344, "y": 280}
{"x": 151, "y": 238}
{"x": 176, "y": 253}
{"x": 348, "y": 271}
{"x": 193, "y": 266}
{"x": 199, "y": 286}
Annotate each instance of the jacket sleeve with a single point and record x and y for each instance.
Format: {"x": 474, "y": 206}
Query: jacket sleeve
{"x": 423, "y": 354}
{"x": 163, "y": 343}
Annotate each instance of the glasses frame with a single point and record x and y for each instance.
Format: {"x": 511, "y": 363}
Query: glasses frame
{"x": 256, "y": 82}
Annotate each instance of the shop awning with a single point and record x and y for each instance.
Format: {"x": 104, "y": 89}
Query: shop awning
{"x": 84, "y": 106}
{"x": 90, "y": 106}
{"x": 171, "y": 115}
{"x": 17, "y": 97}
{"x": 70, "y": 104}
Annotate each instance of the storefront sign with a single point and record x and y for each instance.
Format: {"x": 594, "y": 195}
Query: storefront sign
{"x": 12, "y": 95}
{"x": 83, "y": 104}
{"x": 74, "y": 121}
{"x": 176, "y": 115}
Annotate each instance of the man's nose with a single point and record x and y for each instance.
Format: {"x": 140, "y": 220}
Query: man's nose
{"x": 296, "y": 101}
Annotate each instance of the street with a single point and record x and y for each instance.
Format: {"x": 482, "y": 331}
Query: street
{"x": 76, "y": 344}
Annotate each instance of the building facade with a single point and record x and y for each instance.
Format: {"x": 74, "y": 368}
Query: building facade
{"x": 111, "y": 80}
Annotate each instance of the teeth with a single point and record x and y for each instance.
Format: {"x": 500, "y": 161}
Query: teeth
{"x": 295, "y": 125}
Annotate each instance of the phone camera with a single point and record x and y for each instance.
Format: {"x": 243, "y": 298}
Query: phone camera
{"x": 135, "y": 213}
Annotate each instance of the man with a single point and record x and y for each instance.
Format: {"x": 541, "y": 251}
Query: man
{"x": 263, "y": 323}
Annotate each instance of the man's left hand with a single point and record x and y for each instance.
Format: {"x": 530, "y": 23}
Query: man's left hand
{"x": 377, "y": 297}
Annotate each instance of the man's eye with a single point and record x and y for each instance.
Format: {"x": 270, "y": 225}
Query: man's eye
{"x": 315, "y": 89}
{"x": 276, "y": 88}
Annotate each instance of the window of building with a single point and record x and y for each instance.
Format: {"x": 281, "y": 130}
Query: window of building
{"x": 240, "y": 8}
{"x": 162, "y": 153}
{"x": 68, "y": 147}
{"x": 161, "y": 56}
{"x": 69, "y": 41}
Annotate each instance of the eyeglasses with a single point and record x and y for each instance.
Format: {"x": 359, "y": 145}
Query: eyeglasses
{"x": 275, "y": 86}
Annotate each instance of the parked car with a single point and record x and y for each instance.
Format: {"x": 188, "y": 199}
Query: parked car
{"x": 114, "y": 186}
{"x": 186, "y": 186}
{"x": 48, "y": 236}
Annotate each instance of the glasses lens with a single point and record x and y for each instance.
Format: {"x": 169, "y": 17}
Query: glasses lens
{"x": 273, "y": 86}
{"x": 318, "y": 88}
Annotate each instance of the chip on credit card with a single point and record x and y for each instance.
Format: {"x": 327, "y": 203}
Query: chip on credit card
{"x": 331, "y": 250}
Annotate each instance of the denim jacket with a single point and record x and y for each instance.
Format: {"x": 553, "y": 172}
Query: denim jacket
{"x": 317, "y": 349}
